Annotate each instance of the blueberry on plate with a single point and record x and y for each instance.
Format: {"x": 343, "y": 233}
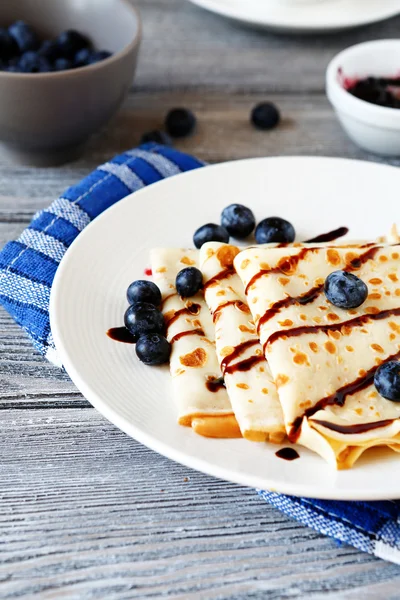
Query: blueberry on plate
{"x": 49, "y": 49}
{"x": 98, "y": 56}
{"x": 153, "y": 349}
{"x": 238, "y": 220}
{"x": 143, "y": 291}
{"x": 31, "y": 62}
{"x": 210, "y": 233}
{"x": 188, "y": 282}
{"x": 265, "y": 116}
{"x": 8, "y": 46}
{"x": 70, "y": 42}
{"x": 180, "y": 122}
{"x": 387, "y": 380}
{"x": 274, "y": 229}
{"x": 24, "y": 36}
{"x": 345, "y": 290}
{"x": 63, "y": 64}
{"x": 157, "y": 136}
{"x": 143, "y": 317}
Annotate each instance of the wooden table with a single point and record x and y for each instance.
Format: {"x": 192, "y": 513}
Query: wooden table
{"x": 87, "y": 512}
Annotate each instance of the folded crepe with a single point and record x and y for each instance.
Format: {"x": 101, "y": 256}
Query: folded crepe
{"x": 323, "y": 358}
{"x": 248, "y": 379}
{"x": 197, "y": 386}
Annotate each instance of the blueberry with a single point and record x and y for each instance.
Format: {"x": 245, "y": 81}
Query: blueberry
{"x": 387, "y": 380}
{"x": 13, "y": 69}
{"x": 99, "y": 56}
{"x": 189, "y": 281}
{"x": 144, "y": 291}
{"x": 82, "y": 57}
{"x": 180, "y": 122}
{"x": 345, "y": 290}
{"x": 24, "y": 36}
{"x": 143, "y": 317}
{"x": 274, "y": 229}
{"x": 70, "y": 42}
{"x": 238, "y": 220}
{"x": 157, "y": 136}
{"x": 8, "y": 46}
{"x": 50, "y": 50}
{"x": 210, "y": 233}
{"x": 31, "y": 62}
{"x": 63, "y": 64}
{"x": 153, "y": 349}
{"x": 265, "y": 116}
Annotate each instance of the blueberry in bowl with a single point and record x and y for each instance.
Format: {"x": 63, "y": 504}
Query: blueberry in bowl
{"x": 46, "y": 116}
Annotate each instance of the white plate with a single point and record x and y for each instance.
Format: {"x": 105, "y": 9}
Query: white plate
{"x": 88, "y": 297}
{"x": 308, "y": 17}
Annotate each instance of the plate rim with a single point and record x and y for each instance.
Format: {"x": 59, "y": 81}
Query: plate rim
{"x": 288, "y": 26}
{"x": 104, "y": 408}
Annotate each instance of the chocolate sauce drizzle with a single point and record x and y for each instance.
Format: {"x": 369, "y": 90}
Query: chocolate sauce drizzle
{"x": 219, "y": 277}
{"x": 192, "y": 309}
{"x": 287, "y": 454}
{"x": 182, "y": 334}
{"x": 288, "y": 264}
{"x": 238, "y": 303}
{"x": 121, "y": 334}
{"x": 236, "y": 353}
{"x": 314, "y": 292}
{"x": 307, "y": 329}
{"x": 276, "y": 308}
{"x": 359, "y": 428}
{"x": 244, "y": 365}
{"x": 339, "y": 397}
{"x": 330, "y": 236}
{"x": 214, "y": 384}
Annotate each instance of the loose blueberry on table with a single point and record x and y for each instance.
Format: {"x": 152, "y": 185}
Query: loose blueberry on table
{"x": 210, "y": 233}
{"x": 274, "y": 229}
{"x": 387, "y": 381}
{"x": 22, "y": 51}
{"x": 345, "y": 290}
{"x": 238, "y": 220}
{"x": 189, "y": 281}
{"x": 265, "y": 116}
{"x": 180, "y": 122}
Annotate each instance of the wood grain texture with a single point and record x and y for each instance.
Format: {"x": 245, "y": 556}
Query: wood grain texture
{"x": 89, "y": 513}
{"x": 86, "y": 512}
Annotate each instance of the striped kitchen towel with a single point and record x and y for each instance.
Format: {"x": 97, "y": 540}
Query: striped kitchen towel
{"x": 27, "y": 269}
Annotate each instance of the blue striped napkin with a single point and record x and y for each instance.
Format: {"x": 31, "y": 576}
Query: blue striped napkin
{"x": 27, "y": 269}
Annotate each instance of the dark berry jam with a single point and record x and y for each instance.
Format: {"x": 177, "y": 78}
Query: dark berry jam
{"x": 382, "y": 91}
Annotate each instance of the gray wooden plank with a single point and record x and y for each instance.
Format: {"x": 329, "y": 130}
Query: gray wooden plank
{"x": 184, "y": 46}
{"x": 87, "y": 512}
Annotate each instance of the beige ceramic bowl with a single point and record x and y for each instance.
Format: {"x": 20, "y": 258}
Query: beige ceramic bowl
{"x": 45, "y": 118}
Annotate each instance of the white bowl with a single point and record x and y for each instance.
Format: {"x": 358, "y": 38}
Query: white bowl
{"x": 374, "y": 128}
